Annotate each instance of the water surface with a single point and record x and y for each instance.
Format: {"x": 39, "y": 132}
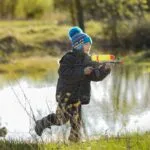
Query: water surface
{"x": 120, "y": 103}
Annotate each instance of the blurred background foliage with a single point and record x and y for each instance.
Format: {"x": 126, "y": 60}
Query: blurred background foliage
{"x": 113, "y": 24}
{"x": 24, "y": 9}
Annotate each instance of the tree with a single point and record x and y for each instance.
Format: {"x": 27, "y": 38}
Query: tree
{"x": 79, "y": 13}
{"x": 148, "y": 5}
{"x": 113, "y": 11}
{"x": 31, "y": 9}
{"x": 68, "y": 5}
{"x": 7, "y": 9}
{"x": 12, "y": 9}
{"x": 75, "y": 9}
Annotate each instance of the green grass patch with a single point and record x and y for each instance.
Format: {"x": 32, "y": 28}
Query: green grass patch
{"x": 32, "y": 37}
{"x": 130, "y": 141}
{"x": 36, "y": 67}
{"x": 44, "y": 36}
{"x": 139, "y": 59}
{"x": 31, "y": 32}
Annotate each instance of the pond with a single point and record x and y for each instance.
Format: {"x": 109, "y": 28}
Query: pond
{"x": 119, "y": 104}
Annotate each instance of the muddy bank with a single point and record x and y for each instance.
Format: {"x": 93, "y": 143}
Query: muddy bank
{"x": 55, "y": 47}
{"x": 9, "y": 44}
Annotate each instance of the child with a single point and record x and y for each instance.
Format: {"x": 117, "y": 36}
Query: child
{"x": 76, "y": 71}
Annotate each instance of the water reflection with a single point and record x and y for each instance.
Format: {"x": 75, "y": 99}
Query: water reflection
{"x": 124, "y": 94}
{"x": 120, "y": 102}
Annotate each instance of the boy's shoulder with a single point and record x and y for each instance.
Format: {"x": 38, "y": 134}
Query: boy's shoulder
{"x": 68, "y": 56}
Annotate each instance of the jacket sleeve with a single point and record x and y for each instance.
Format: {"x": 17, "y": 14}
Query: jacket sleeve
{"x": 69, "y": 70}
{"x": 98, "y": 74}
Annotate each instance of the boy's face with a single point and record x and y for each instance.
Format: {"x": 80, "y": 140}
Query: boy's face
{"x": 86, "y": 48}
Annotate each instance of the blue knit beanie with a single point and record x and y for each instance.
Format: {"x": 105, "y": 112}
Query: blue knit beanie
{"x": 78, "y": 38}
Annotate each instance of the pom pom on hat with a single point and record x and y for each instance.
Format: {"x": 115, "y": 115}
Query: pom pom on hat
{"x": 73, "y": 31}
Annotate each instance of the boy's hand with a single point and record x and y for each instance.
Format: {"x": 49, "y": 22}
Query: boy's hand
{"x": 106, "y": 67}
{"x": 88, "y": 70}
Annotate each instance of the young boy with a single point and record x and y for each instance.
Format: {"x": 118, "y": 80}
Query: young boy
{"x": 76, "y": 71}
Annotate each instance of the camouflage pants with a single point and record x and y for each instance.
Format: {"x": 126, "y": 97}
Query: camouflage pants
{"x": 68, "y": 112}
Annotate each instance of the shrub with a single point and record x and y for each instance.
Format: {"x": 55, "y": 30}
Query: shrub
{"x": 137, "y": 37}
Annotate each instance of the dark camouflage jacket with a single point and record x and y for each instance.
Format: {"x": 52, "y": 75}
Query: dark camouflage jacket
{"x": 72, "y": 84}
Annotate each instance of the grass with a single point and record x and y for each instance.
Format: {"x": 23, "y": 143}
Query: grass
{"x": 30, "y": 64}
{"x": 132, "y": 141}
{"x": 140, "y": 59}
{"x": 33, "y": 67}
{"x": 32, "y": 37}
{"x": 32, "y": 31}
{"x": 44, "y": 36}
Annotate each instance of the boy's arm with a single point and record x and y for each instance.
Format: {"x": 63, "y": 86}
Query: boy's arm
{"x": 100, "y": 71}
{"x": 98, "y": 74}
